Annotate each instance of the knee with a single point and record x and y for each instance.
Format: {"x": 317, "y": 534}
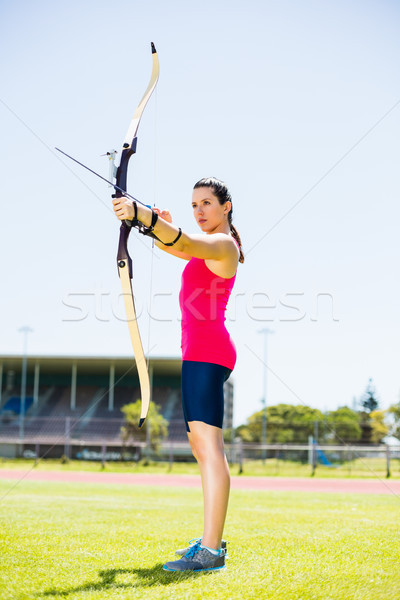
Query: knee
{"x": 204, "y": 452}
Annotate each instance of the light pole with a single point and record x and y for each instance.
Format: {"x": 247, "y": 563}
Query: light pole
{"x": 25, "y": 330}
{"x": 265, "y": 332}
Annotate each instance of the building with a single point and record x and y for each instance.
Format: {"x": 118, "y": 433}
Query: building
{"x": 73, "y": 404}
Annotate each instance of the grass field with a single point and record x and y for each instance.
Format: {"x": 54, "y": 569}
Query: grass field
{"x": 94, "y": 542}
{"x": 362, "y": 467}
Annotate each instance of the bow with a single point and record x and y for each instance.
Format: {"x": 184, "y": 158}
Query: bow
{"x": 124, "y": 261}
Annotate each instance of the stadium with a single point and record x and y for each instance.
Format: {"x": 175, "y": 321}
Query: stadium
{"x": 72, "y": 406}
{"x": 261, "y": 197}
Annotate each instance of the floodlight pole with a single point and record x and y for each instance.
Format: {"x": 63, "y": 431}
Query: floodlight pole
{"x": 25, "y": 330}
{"x": 265, "y": 332}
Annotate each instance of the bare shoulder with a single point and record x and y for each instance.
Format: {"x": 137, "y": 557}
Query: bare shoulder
{"x": 215, "y": 248}
{"x": 229, "y": 244}
{"x": 226, "y": 264}
{"x": 222, "y": 241}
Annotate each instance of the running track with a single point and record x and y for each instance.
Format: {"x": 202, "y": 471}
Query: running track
{"x": 274, "y": 484}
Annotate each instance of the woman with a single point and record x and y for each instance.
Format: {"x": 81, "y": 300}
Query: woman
{"x": 208, "y": 352}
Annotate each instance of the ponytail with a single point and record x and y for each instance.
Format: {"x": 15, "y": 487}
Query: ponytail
{"x": 236, "y": 236}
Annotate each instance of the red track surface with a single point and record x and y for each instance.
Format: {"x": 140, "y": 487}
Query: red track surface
{"x": 276, "y": 484}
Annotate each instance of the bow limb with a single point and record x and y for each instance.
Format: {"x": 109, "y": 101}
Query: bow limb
{"x": 129, "y": 146}
{"x": 134, "y": 125}
{"x": 124, "y": 261}
{"x": 140, "y": 358}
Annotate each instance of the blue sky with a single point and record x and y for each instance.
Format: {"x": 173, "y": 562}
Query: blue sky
{"x": 295, "y": 104}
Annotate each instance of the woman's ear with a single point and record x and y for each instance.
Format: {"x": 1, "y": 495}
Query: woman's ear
{"x": 227, "y": 207}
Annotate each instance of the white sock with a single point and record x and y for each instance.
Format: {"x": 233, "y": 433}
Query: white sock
{"x": 212, "y": 550}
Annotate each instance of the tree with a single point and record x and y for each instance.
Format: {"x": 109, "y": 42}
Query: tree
{"x": 394, "y": 412}
{"x": 286, "y": 423}
{"x": 155, "y": 421}
{"x": 251, "y": 432}
{"x": 368, "y": 401}
{"x": 378, "y": 425}
{"x": 343, "y": 425}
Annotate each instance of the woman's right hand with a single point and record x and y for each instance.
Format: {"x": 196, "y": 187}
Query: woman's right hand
{"x": 164, "y": 214}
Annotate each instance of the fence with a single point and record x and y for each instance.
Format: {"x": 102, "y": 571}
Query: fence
{"x": 307, "y": 459}
{"x": 100, "y": 439}
{"x": 79, "y": 437}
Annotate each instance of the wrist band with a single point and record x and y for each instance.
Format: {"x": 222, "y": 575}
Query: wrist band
{"x": 149, "y": 230}
{"x": 175, "y": 240}
{"x": 154, "y": 219}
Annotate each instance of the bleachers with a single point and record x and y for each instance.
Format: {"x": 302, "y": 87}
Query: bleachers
{"x": 13, "y": 405}
{"x": 52, "y": 420}
{"x": 122, "y": 396}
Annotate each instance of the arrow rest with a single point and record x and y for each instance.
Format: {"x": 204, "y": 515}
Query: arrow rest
{"x": 112, "y": 169}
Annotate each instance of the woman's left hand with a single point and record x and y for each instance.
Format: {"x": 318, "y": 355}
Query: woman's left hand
{"x": 123, "y": 208}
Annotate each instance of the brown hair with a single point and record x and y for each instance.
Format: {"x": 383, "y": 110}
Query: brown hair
{"x": 221, "y": 191}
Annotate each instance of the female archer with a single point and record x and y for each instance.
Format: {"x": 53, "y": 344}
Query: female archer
{"x": 208, "y": 352}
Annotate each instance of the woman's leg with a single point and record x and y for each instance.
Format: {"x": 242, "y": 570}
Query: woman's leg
{"x": 208, "y": 449}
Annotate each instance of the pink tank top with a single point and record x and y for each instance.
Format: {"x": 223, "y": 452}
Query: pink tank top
{"x": 203, "y": 299}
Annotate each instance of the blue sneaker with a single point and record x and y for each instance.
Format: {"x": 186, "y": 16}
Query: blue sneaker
{"x": 183, "y": 551}
{"x": 198, "y": 558}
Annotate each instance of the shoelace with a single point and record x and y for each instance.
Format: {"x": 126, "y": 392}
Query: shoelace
{"x": 194, "y": 541}
{"x": 193, "y": 550}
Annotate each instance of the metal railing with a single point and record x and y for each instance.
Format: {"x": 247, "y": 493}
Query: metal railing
{"x": 100, "y": 439}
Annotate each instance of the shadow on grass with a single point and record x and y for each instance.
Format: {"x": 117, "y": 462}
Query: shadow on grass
{"x": 144, "y": 578}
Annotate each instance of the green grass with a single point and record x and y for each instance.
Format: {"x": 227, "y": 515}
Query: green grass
{"x": 361, "y": 467}
{"x": 98, "y": 542}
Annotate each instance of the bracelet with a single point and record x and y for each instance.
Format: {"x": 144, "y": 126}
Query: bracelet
{"x": 175, "y": 240}
{"x": 149, "y": 230}
{"x": 154, "y": 219}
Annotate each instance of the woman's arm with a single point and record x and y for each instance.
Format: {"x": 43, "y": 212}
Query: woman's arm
{"x": 172, "y": 251}
{"x": 217, "y": 246}
{"x": 166, "y": 215}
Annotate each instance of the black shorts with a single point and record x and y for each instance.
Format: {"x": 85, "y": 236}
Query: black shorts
{"x": 203, "y": 392}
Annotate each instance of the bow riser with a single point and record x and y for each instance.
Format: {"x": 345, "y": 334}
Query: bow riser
{"x": 122, "y": 171}
{"x": 126, "y": 226}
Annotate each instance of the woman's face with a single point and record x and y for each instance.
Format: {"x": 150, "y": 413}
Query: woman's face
{"x": 210, "y": 215}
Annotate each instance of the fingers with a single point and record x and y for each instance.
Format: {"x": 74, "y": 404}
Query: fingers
{"x": 123, "y": 208}
{"x": 166, "y": 215}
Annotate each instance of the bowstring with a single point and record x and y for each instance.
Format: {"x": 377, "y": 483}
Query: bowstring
{"x": 155, "y": 172}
